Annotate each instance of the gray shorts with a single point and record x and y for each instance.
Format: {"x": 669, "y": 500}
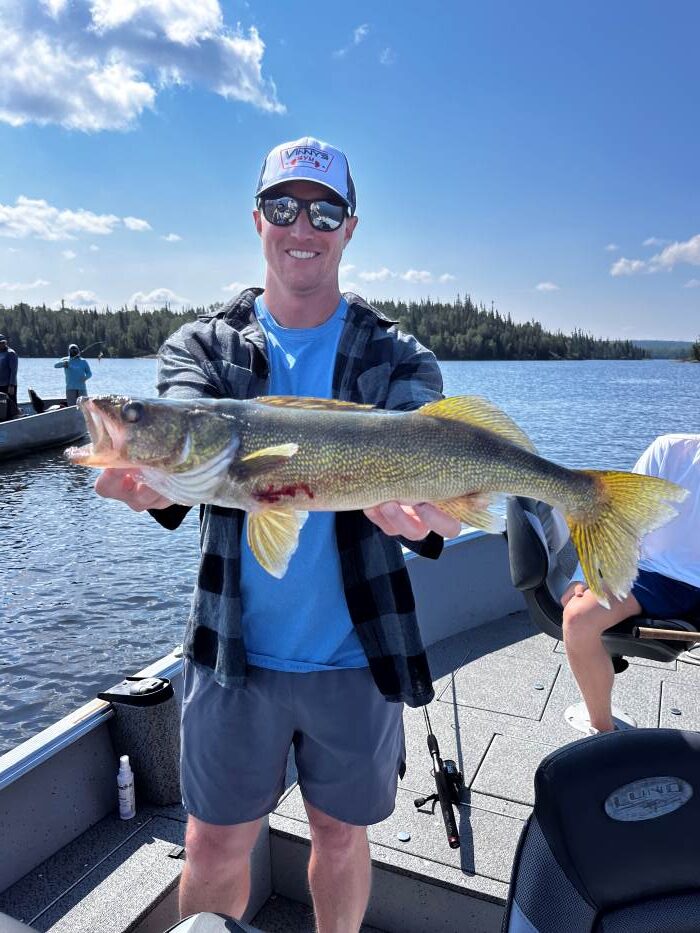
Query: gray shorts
{"x": 348, "y": 744}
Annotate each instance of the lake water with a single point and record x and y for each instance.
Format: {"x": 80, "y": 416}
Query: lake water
{"x": 90, "y": 591}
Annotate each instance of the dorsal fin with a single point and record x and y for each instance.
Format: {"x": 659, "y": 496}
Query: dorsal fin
{"x": 480, "y": 413}
{"x": 301, "y": 401}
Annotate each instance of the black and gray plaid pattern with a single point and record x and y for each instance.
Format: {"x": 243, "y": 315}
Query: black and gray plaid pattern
{"x": 224, "y": 356}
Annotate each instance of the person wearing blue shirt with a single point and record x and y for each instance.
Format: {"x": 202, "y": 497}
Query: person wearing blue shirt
{"x": 77, "y": 373}
{"x": 8, "y": 377}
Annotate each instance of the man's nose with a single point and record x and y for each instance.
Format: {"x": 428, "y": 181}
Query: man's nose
{"x": 301, "y": 228}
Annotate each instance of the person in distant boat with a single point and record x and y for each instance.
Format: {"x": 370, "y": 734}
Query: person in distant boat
{"x": 323, "y": 659}
{"x": 77, "y": 373}
{"x": 8, "y": 376}
{"x": 667, "y": 586}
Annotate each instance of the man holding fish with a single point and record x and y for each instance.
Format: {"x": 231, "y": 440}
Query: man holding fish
{"x": 324, "y": 655}
{"x": 302, "y": 629}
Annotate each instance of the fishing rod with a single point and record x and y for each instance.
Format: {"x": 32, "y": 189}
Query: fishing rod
{"x": 448, "y": 782}
{"x": 90, "y": 346}
{"x": 665, "y": 634}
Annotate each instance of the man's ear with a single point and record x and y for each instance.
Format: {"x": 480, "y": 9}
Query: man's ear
{"x": 350, "y": 225}
{"x": 257, "y": 220}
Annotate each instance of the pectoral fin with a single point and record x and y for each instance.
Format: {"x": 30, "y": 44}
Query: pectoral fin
{"x": 480, "y": 413}
{"x": 474, "y": 511}
{"x": 262, "y": 461}
{"x": 273, "y": 536}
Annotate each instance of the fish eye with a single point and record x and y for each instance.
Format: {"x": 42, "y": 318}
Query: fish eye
{"x": 132, "y": 412}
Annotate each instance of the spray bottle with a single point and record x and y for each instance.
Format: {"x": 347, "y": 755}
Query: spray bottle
{"x": 125, "y": 785}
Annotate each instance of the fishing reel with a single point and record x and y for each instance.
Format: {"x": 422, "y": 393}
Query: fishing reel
{"x": 454, "y": 781}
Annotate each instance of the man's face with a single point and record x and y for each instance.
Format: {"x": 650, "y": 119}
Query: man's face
{"x": 3, "y": 345}
{"x": 301, "y": 259}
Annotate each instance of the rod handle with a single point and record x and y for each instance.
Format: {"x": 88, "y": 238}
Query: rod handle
{"x": 665, "y": 634}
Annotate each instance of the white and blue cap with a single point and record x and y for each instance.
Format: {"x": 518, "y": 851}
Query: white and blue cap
{"x": 308, "y": 159}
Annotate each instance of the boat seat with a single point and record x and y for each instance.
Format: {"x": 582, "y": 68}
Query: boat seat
{"x": 611, "y": 845}
{"x": 10, "y": 925}
{"x": 542, "y": 562}
{"x": 211, "y": 923}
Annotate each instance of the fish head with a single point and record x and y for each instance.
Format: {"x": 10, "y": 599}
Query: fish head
{"x": 169, "y": 435}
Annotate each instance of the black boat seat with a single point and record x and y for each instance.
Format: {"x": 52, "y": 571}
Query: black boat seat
{"x": 611, "y": 845}
{"x": 210, "y": 923}
{"x": 10, "y": 925}
{"x": 542, "y": 562}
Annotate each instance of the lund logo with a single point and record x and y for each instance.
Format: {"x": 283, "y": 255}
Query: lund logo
{"x": 306, "y": 155}
{"x": 647, "y": 799}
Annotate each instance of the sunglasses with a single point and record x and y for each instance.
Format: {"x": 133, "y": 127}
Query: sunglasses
{"x": 284, "y": 210}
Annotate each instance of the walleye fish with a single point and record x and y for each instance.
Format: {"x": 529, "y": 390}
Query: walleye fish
{"x": 281, "y": 457}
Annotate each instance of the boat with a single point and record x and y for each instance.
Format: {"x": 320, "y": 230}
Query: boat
{"x": 70, "y": 864}
{"x": 59, "y": 424}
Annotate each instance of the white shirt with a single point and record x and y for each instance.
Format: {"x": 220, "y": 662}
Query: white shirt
{"x": 674, "y": 549}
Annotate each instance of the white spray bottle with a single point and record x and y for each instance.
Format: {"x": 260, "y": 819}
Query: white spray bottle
{"x": 125, "y": 785}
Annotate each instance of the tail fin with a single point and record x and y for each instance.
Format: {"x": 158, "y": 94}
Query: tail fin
{"x": 608, "y": 546}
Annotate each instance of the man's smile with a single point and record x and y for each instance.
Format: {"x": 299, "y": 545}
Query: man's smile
{"x": 301, "y": 254}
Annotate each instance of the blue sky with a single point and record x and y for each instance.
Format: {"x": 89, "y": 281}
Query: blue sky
{"x": 543, "y": 156}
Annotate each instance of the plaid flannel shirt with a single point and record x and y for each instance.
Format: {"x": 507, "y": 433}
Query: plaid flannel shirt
{"x": 224, "y": 356}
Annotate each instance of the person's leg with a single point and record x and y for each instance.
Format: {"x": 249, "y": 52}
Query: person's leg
{"x": 584, "y": 622}
{"x": 216, "y": 876}
{"x": 339, "y": 872}
{"x": 72, "y": 396}
{"x": 349, "y": 750}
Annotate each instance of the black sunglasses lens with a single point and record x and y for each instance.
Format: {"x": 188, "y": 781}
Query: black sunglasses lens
{"x": 325, "y": 215}
{"x": 280, "y": 211}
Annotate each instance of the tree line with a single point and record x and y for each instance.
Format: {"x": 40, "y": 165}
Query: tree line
{"x": 457, "y": 330}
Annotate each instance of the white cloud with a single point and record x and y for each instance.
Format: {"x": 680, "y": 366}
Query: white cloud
{"x": 417, "y": 275}
{"x": 38, "y": 218}
{"x": 22, "y": 286}
{"x": 612, "y": 247}
{"x": 171, "y": 238}
{"x": 654, "y": 241}
{"x": 158, "y": 298}
{"x": 93, "y": 248}
{"x": 68, "y": 254}
{"x": 346, "y": 269}
{"x": 686, "y": 252}
{"x": 447, "y": 277}
{"x": 381, "y": 275}
{"x": 96, "y": 65}
{"x": 387, "y": 56}
{"x": 359, "y": 35}
{"x": 627, "y": 267}
{"x": 135, "y": 223}
{"x": 235, "y": 287}
{"x": 547, "y": 287}
{"x": 80, "y": 299}
{"x": 692, "y": 283}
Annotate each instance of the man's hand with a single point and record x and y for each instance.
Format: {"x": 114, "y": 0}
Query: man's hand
{"x": 573, "y": 591}
{"x": 125, "y": 486}
{"x": 413, "y": 521}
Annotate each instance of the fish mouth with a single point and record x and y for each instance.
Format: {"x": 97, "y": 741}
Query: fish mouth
{"x": 107, "y": 447}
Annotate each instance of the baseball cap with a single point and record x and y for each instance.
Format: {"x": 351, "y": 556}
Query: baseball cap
{"x": 73, "y": 346}
{"x": 308, "y": 159}
{"x": 3, "y": 338}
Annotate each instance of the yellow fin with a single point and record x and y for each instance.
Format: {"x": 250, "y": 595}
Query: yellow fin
{"x": 469, "y": 510}
{"x": 262, "y": 461}
{"x": 608, "y": 545}
{"x": 300, "y": 401}
{"x": 273, "y": 536}
{"x": 480, "y": 413}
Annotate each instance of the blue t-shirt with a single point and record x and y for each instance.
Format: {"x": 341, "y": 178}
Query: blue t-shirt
{"x": 301, "y": 622}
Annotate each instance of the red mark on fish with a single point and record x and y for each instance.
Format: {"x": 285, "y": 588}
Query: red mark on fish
{"x": 273, "y": 494}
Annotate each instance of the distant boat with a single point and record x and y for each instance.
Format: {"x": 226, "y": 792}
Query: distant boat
{"x": 56, "y": 425}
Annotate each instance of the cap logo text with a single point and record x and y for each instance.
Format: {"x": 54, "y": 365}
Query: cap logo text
{"x": 307, "y": 156}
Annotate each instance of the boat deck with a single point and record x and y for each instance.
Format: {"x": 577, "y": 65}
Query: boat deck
{"x": 501, "y": 692}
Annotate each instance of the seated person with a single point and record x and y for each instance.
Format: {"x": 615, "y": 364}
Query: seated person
{"x": 668, "y": 584}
